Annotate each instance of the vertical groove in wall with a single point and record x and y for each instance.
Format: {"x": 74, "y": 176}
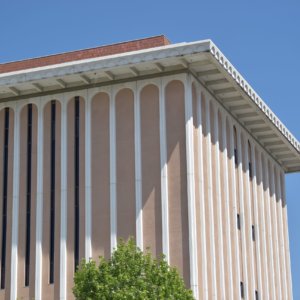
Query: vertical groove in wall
{"x": 100, "y": 168}
{"x": 125, "y": 164}
{"x": 177, "y": 183}
{"x": 4, "y": 197}
{"x": 151, "y": 171}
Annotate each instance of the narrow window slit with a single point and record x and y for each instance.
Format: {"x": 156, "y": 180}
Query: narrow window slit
{"x": 242, "y": 289}
{"x": 235, "y": 151}
{"x": 238, "y": 218}
{"x": 52, "y": 191}
{"x": 253, "y": 233}
{"x": 250, "y": 170}
{"x": 76, "y": 196}
{"x": 28, "y": 193}
{"x": 250, "y": 162}
{"x": 236, "y": 157}
{"x": 4, "y": 197}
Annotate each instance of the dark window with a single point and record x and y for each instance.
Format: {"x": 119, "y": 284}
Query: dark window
{"x": 250, "y": 160}
{"x": 52, "y": 191}
{"x": 242, "y": 289}
{"x": 256, "y": 295}
{"x": 28, "y": 193}
{"x": 253, "y": 233}
{"x": 250, "y": 170}
{"x": 4, "y": 196}
{"x": 236, "y": 157}
{"x": 238, "y": 220}
{"x": 236, "y": 161}
{"x": 76, "y": 196}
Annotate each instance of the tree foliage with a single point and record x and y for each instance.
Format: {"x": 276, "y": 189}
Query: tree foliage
{"x": 129, "y": 274}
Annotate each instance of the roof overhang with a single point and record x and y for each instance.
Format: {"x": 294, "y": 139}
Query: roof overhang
{"x": 203, "y": 59}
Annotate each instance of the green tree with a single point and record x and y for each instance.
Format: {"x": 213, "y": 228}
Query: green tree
{"x": 129, "y": 274}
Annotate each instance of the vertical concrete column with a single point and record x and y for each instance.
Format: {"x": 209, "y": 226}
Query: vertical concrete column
{"x": 256, "y": 222}
{"x": 242, "y": 214}
{"x": 88, "y": 178}
{"x": 15, "y": 206}
{"x": 226, "y": 210}
{"x": 191, "y": 185}
{"x": 138, "y": 169}
{"x": 63, "y": 209}
{"x": 221, "y": 274}
{"x": 235, "y": 237}
{"x": 262, "y": 217}
{"x": 202, "y": 196}
{"x": 269, "y": 232}
{"x": 248, "y": 220}
{"x": 281, "y": 234}
{"x": 113, "y": 180}
{"x": 210, "y": 201}
{"x": 274, "y": 222}
{"x": 164, "y": 171}
{"x": 286, "y": 239}
{"x": 39, "y": 202}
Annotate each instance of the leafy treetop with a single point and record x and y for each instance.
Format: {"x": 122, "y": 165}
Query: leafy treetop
{"x": 129, "y": 274}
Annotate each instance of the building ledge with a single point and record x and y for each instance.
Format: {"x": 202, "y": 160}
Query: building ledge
{"x": 202, "y": 58}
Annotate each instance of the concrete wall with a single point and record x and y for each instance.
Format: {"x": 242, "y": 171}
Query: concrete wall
{"x": 159, "y": 160}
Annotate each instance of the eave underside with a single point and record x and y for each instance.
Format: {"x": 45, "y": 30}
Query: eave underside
{"x": 203, "y": 60}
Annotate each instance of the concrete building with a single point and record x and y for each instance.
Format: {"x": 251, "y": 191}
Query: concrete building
{"x": 164, "y": 142}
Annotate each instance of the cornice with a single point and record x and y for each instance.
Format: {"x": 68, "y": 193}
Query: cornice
{"x": 252, "y": 95}
{"x": 190, "y": 52}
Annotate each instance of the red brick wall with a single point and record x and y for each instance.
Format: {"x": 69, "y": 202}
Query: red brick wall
{"x": 135, "y": 45}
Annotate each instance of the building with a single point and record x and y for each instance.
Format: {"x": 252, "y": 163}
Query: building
{"x": 164, "y": 142}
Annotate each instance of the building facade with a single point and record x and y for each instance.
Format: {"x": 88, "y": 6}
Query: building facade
{"x": 165, "y": 143}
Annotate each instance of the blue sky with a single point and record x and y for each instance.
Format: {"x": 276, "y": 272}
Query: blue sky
{"x": 261, "y": 38}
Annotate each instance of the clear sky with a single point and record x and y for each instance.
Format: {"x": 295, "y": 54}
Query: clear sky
{"x": 261, "y": 38}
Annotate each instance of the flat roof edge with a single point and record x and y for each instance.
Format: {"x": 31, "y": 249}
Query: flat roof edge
{"x": 253, "y": 96}
{"x": 156, "y": 54}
